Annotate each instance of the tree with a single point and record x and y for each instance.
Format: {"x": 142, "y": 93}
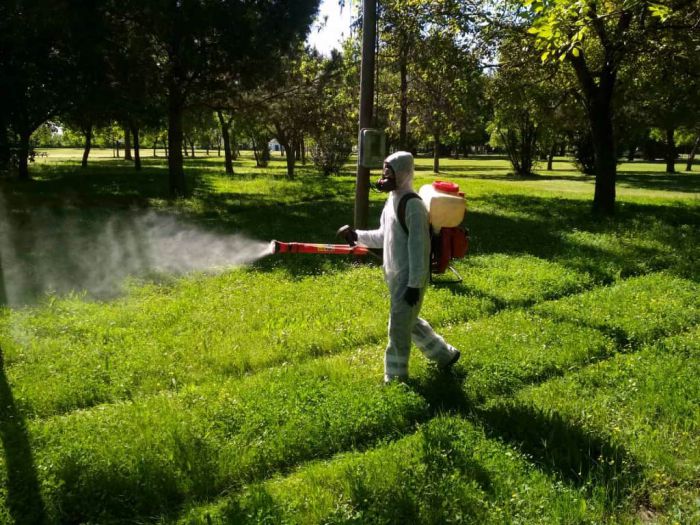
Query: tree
{"x": 402, "y": 24}
{"x": 226, "y": 122}
{"x": 91, "y": 99}
{"x": 205, "y": 46}
{"x": 668, "y": 85}
{"x": 36, "y": 72}
{"x": 597, "y": 38}
{"x": 517, "y": 101}
{"x": 445, "y": 75}
{"x": 693, "y": 151}
{"x": 332, "y": 123}
{"x": 291, "y": 101}
{"x": 428, "y": 59}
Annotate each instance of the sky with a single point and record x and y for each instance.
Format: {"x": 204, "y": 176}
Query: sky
{"x": 337, "y": 27}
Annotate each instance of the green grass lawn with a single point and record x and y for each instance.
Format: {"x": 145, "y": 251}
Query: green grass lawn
{"x": 253, "y": 394}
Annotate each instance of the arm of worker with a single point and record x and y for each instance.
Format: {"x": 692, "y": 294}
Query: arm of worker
{"x": 372, "y": 238}
{"x": 418, "y": 243}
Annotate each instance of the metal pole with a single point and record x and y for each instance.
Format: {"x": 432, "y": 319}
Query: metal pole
{"x": 369, "y": 16}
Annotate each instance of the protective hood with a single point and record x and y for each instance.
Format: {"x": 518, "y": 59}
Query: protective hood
{"x": 402, "y": 164}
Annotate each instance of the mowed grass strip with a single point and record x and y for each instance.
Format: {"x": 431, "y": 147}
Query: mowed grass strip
{"x": 645, "y": 403}
{"x": 447, "y": 472}
{"x": 149, "y": 456}
{"x": 590, "y": 475}
{"x": 636, "y": 311}
{"x": 649, "y": 239}
{"x": 512, "y": 281}
{"x": 69, "y": 354}
{"x": 154, "y": 454}
{"x": 515, "y": 348}
{"x": 587, "y": 451}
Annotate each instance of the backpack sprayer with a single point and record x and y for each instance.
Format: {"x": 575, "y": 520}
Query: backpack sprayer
{"x": 448, "y": 238}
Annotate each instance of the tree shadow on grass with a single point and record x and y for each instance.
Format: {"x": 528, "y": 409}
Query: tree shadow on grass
{"x": 3, "y": 288}
{"x": 454, "y": 169}
{"x": 681, "y": 182}
{"x": 649, "y": 237}
{"x": 107, "y": 186}
{"x": 555, "y": 444}
{"x": 23, "y": 493}
{"x": 577, "y": 213}
{"x": 559, "y": 446}
{"x": 509, "y": 224}
{"x": 533, "y": 226}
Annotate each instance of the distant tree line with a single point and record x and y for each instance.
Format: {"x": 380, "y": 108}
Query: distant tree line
{"x": 601, "y": 81}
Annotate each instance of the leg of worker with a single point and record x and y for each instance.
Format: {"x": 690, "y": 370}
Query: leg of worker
{"x": 433, "y": 346}
{"x": 402, "y": 317}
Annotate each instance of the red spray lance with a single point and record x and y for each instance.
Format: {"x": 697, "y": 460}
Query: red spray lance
{"x": 334, "y": 249}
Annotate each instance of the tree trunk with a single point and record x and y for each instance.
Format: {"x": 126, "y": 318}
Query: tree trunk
{"x": 302, "y": 147}
{"x": 192, "y": 147}
{"x": 4, "y": 144}
{"x": 403, "y": 122}
{"x": 127, "y": 144}
{"x": 228, "y": 156}
{"x": 289, "y": 147}
{"x": 527, "y": 137}
{"x": 137, "y": 148}
{"x": 291, "y": 162}
{"x": 24, "y": 155}
{"x": 226, "y": 136}
{"x": 436, "y": 153}
{"x": 155, "y": 145}
{"x": 3, "y": 290}
{"x": 670, "y": 150}
{"x": 257, "y": 152}
{"x": 550, "y": 157}
{"x": 510, "y": 140}
{"x": 599, "y": 106}
{"x": 691, "y": 157}
{"x": 88, "y": 144}
{"x": 175, "y": 162}
{"x": 605, "y": 159}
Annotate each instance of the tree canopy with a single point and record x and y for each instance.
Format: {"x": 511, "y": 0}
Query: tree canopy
{"x": 531, "y": 78}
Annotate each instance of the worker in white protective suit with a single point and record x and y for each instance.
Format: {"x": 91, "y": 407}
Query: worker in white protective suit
{"x": 406, "y": 270}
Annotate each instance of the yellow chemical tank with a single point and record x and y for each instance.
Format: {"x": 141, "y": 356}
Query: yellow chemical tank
{"x": 446, "y": 204}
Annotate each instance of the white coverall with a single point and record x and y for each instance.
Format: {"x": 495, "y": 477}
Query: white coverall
{"x": 406, "y": 264}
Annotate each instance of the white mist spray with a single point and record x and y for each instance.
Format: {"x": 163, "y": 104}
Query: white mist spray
{"x": 44, "y": 251}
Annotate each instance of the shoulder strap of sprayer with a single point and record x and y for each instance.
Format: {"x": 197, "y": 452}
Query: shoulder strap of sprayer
{"x": 401, "y": 210}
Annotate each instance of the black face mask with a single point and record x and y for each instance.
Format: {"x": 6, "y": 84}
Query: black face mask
{"x": 386, "y": 184}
